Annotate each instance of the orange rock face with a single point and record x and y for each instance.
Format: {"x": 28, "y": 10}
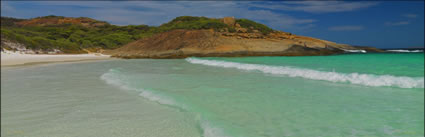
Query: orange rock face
{"x": 229, "y": 21}
{"x": 186, "y": 43}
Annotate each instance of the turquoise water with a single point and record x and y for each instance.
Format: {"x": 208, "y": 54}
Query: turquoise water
{"x": 346, "y": 95}
{"x": 397, "y": 64}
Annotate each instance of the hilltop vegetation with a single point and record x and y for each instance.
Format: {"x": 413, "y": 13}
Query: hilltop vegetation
{"x": 62, "y": 21}
{"x": 71, "y": 38}
{"x": 77, "y": 35}
{"x": 7, "y": 21}
{"x": 192, "y": 23}
{"x": 196, "y": 23}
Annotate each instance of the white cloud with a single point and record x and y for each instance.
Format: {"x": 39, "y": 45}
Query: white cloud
{"x": 397, "y": 23}
{"x": 409, "y": 15}
{"x": 346, "y": 28}
{"x": 317, "y": 6}
{"x": 401, "y": 23}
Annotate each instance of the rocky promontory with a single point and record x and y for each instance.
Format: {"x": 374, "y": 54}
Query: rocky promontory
{"x": 233, "y": 40}
{"x": 184, "y": 36}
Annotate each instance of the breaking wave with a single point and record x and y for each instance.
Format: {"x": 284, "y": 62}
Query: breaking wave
{"x": 355, "y": 51}
{"x": 408, "y": 51}
{"x": 353, "y": 78}
{"x": 112, "y": 77}
{"x": 115, "y": 78}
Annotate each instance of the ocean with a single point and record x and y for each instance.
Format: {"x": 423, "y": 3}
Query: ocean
{"x": 350, "y": 95}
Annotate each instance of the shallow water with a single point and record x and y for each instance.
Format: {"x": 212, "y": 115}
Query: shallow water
{"x": 70, "y": 100}
{"x": 345, "y": 95}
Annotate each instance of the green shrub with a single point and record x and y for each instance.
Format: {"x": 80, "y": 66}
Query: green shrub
{"x": 191, "y": 23}
{"x": 232, "y": 30}
{"x": 7, "y": 21}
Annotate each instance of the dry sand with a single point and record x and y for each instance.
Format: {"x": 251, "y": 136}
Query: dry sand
{"x": 9, "y": 58}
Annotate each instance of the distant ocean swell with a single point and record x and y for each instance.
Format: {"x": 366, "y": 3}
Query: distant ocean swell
{"x": 113, "y": 77}
{"x": 353, "y": 78}
{"x": 408, "y": 51}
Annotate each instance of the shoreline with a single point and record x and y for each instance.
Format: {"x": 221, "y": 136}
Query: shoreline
{"x": 15, "y": 59}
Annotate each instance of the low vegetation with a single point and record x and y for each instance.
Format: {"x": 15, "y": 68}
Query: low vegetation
{"x": 192, "y": 23}
{"x": 74, "y": 38}
{"x": 71, "y": 38}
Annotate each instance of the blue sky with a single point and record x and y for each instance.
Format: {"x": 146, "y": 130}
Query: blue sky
{"x": 390, "y": 24}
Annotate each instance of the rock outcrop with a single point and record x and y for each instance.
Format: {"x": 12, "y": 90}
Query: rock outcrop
{"x": 209, "y": 43}
{"x": 229, "y": 21}
{"x": 247, "y": 39}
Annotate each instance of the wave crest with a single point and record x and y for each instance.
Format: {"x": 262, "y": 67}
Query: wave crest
{"x": 408, "y": 51}
{"x": 114, "y": 78}
{"x": 353, "y": 78}
{"x": 355, "y": 51}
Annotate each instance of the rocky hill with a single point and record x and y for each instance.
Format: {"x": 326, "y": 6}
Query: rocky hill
{"x": 181, "y": 37}
{"x": 60, "y": 20}
{"x": 235, "y": 38}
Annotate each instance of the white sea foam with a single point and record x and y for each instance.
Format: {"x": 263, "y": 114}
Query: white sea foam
{"x": 353, "y": 78}
{"x": 355, "y": 51}
{"x": 414, "y": 51}
{"x": 113, "y": 77}
{"x": 160, "y": 99}
{"x": 211, "y": 131}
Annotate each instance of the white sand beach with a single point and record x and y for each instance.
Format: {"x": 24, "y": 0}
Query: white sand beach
{"x": 9, "y": 58}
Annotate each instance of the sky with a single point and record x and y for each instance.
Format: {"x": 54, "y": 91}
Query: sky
{"x": 382, "y": 24}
